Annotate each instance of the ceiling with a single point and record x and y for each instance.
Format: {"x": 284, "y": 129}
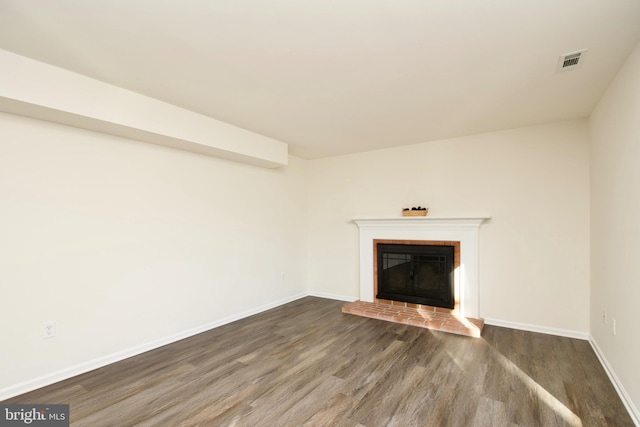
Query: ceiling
{"x": 333, "y": 77}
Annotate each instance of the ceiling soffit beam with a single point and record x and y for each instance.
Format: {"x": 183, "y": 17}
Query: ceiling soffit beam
{"x": 34, "y": 89}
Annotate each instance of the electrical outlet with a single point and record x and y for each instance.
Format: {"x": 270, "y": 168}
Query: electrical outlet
{"x": 48, "y": 329}
{"x": 613, "y": 329}
{"x": 282, "y": 276}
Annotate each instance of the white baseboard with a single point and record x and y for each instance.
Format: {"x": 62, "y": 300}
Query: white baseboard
{"x": 624, "y": 396}
{"x": 332, "y": 296}
{"x": 540, "y": 329}
{"x": 100, "y": 362}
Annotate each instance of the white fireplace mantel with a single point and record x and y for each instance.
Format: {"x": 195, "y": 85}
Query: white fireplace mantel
{"x": 461, "y": 229}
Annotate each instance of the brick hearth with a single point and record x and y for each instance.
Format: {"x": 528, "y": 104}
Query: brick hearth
{"x": 434, "y": 318}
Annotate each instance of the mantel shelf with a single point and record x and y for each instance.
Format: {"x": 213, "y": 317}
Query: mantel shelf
{"x": 426, "y": 220}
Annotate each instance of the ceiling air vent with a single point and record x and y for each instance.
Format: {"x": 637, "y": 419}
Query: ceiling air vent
{"x": 571, "y": 61}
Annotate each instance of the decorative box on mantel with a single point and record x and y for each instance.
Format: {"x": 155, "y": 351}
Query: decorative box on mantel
{"x": 415, "y": 212}
{"x": 460, "y": 229}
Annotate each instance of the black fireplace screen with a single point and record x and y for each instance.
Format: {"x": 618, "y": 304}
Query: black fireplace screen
{"x": 420, "y": 274}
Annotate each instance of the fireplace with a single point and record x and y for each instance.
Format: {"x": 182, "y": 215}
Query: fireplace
{"x": 415, "y": 272}
{"x": 460, "y": 279}
{"x": 438, "y": 231}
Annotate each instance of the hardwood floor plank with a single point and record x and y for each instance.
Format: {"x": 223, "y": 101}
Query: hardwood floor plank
{"x": 308, "y": 364}
{"x": 298, "y": 407}
{"x": 490, "y": 413}
{"x": 334, "y": 412}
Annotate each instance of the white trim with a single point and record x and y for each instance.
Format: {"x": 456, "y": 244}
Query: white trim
{"x": 463, "y": 230}
{"x": 100, "y": 362}
{"x": 540, "y": 329}
{"x": 332, "y": 296}
{"x": 634, "y": 413}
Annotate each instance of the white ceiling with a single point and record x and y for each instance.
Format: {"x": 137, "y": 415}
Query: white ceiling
{"x": 339, "y": 76}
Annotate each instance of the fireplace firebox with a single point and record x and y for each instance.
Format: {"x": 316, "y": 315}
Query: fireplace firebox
{"x": 420, "y": 274}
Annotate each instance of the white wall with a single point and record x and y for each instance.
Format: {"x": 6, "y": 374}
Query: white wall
{"x": 534, "y": 182}
{"x": 124, "y": 243}
{"x": 615, "y": 225}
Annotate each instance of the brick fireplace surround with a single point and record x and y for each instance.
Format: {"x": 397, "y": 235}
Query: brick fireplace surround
{"x": 462, "y": 233}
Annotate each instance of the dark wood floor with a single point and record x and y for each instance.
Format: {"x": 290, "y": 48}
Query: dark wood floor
{"x": 308, "y": 364}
